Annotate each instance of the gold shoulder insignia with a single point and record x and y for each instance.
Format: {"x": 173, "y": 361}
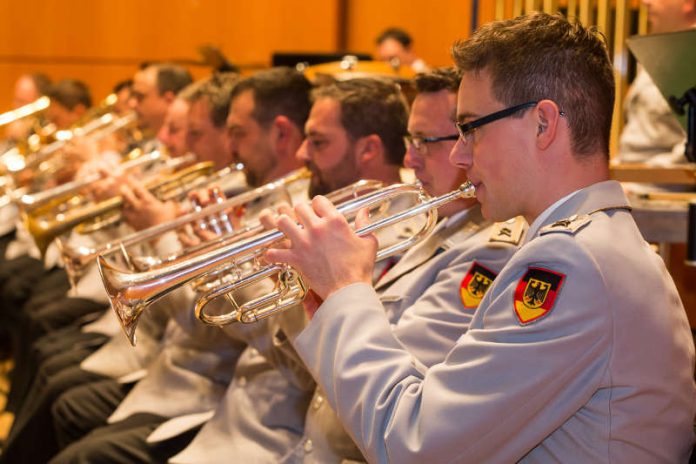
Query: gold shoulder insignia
{"x": 569, "y": 225}
{"x": 510, "y": 231}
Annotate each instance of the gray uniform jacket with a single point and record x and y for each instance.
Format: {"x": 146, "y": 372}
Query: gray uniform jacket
{"x": 580, "y": 351}
{"x": 422, "y": 299}
{"x": 262, "y": 415}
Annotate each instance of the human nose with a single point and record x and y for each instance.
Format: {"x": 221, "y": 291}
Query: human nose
{"x": 132, "y": 102}
{"x": 301, "y": 154}
{"x": 163, "y": 134}
{"x": 412, "y": 160}
{"x": 461, "y": 156}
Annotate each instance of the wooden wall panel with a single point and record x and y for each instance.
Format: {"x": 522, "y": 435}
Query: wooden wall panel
{"x": 102, "y": 41}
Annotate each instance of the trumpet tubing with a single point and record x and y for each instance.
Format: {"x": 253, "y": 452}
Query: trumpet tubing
{"x": 61, "y": 193}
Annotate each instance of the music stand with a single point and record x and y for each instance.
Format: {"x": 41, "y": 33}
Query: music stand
{"x": 670, "y": 60}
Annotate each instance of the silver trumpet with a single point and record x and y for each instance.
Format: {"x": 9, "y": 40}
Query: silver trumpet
{"x": 76, "y": 259}
{"x": 131, "y": 292}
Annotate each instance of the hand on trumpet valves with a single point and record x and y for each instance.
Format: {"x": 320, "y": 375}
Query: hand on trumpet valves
{"x": 269, "y": 220}
{"x": 142, "y": 209}
{"x": 269, "y": 216}
{"x": 110, "y": 184}
{"x": 325, "y": 249}
{"x": 223, "y": 222}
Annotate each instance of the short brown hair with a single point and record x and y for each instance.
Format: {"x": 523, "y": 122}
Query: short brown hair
{"x": 70, "y": 93}
{"x": 216, "y": 91}
{"x": 371, "y": 106}
{"x": 278, "y": 91}
{"x": 439, "y": 79}
{"x": 542, "y": 56}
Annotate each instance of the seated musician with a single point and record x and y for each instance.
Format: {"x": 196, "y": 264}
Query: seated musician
{"x": 63, "y": 351}
{"x": 565, "y": 357}
{"x": 197, "y": 361}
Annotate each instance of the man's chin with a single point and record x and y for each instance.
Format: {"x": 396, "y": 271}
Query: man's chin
{"x": 318, "y": 188}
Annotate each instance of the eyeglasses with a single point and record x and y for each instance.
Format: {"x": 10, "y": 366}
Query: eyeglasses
{"x": 421, "y": 143}
{"x": 466, "y": 130}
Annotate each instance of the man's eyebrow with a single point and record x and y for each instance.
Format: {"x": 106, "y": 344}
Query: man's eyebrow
{"x": 461, "y": 117}
{"x": 312, "y": 132}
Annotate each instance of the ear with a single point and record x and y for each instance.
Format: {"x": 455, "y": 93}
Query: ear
{"x": 368, "y": 148}
{"x": 548, "y": 117}
{"x": 283, "y": 132}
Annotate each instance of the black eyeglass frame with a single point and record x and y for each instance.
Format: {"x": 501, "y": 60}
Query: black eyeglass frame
{"x": 410, "y": 139}
{"x": 466, "y": 128}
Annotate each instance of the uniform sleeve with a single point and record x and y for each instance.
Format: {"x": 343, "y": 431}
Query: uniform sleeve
{"x": 500, "y": 391}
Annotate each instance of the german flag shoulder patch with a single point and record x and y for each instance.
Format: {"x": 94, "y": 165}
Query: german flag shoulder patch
{"x": 475, "y": 284}
{"x": 536, "y": 293}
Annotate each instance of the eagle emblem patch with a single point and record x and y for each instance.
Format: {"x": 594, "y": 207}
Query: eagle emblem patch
{"x": 536, "y": 293}
{"x": 475, "y": 284}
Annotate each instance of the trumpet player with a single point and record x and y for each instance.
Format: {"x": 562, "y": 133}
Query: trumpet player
{"x": 433, "y": 288}
{"x": 22, "y": 270}
{"x": 63, "y": 352}
{"x": 155, "y": 88}
{"x": 27, "y": 89}
{"x": 566, "y": 357}
{"x": 196, "y": 362}
{"x": 70, "y": 100}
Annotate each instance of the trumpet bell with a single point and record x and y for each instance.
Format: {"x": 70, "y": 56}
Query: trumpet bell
{"x": 127, "y": 310}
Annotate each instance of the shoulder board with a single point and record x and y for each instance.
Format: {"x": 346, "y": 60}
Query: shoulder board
{"x": 569, "y": 225}
{"x": 510, "y": 231}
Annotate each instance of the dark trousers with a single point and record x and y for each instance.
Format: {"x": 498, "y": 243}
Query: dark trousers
{"x": 32, "y": 437}
{"x": 43, "y": 332}
{"x": 125, "y": 442}
{"x": 84, "y": 408}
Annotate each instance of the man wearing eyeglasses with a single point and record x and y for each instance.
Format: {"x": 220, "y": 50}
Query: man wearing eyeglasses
{"x": 580, "y": 351}
{"x": 436, "y": 285}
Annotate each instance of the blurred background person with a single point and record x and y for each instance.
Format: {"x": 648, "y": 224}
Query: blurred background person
{"x": 652, "y": 134}
{"x": 395, "y": 45}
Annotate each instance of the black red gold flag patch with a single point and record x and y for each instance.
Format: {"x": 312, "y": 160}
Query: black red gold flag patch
{"x": 536, "y": 293}
{"x": 475, "y": 284}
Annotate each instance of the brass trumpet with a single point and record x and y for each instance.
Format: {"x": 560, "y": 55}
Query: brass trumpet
{"x": 96, "y": 129}
{"x": 76, "y": 259}
{"x": 45, "y": 227}
{"x": 130, "y": 293}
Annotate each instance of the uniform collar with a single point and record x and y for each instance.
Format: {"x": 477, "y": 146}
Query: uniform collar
{"x": 602, "y": 195}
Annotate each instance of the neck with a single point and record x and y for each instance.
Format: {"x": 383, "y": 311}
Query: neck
{"x": 585, "y": 172}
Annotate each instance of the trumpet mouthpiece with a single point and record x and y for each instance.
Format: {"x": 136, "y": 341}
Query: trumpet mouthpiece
{"x": 467, "y": 190}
